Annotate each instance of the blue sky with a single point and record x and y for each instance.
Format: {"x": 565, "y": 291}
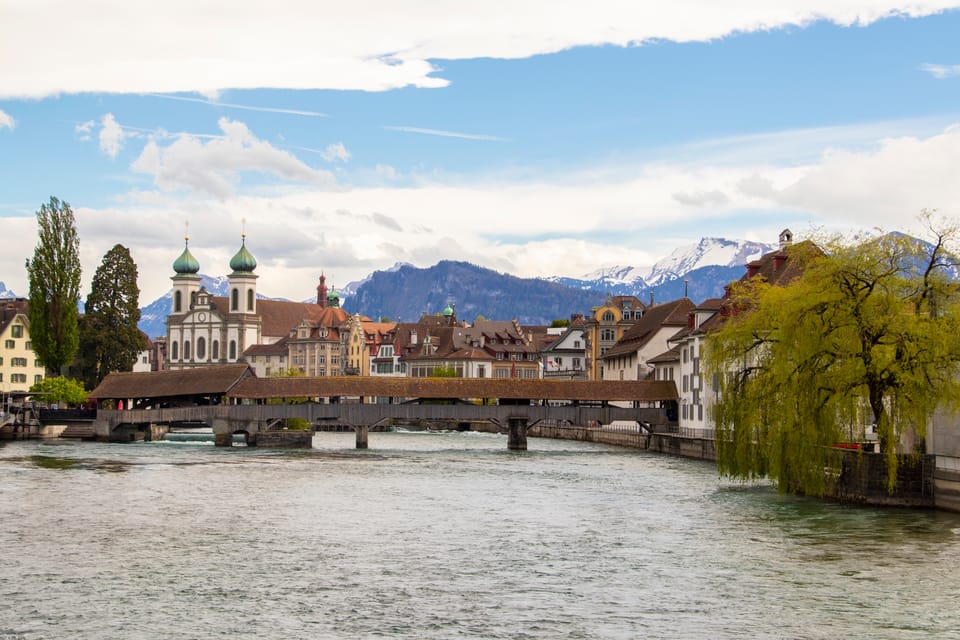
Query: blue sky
{"x": 535, "y": 138}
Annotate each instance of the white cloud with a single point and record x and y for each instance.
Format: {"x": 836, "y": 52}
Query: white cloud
{"x": 112, "y": 135}
{"x": 942, "y": 71}
{"x": 213, "y": 166}
{"x": 84, "y": 128}
{"x": 6, "y": 120}
{"x": 336, "y": 151}
{"x": 373, "y": 46}
{"x": 565, "y": 224}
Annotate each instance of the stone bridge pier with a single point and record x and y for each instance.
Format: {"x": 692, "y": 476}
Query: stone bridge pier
{"x": 517, "y": 433}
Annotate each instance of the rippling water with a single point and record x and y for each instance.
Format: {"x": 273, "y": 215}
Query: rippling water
{"x": 447, "y": 536}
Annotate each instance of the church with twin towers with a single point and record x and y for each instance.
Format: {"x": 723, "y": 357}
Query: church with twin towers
{"x": 205, "y": 330}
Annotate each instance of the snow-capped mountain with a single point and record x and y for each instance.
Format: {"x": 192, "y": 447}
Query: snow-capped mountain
{"x": 6, "y": 293}
{"x": 632, "y": 280}
{"x": 708, "y": 252}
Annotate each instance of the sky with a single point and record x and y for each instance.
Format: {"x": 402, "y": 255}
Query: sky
{"x": 536, "y": 138}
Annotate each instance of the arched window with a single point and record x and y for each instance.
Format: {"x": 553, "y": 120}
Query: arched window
{"x": 173, "y": 351}
{"x": 201, "y": 348}
{"x": 193, "y": 299}
{"x": 608, "y": 316}
{"x": 249, "y": 299}
{"x": 177, "y": 302}
{"x": 186, "y": 349}
{"x": 233, "y": 350}
{"x": 234, "y": 300}
{"x": 215, "y": 350}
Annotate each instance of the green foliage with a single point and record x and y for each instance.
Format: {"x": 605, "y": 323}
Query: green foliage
{"x": 54, "y": 276}
{"x": 561, "y": 322}
{"x": 296, "y": 424}
{"x": 109, "y": 337}
{"x": 868, "y": 334}
{"x": 444, "y": 372}
{"x": 59, "y": 390}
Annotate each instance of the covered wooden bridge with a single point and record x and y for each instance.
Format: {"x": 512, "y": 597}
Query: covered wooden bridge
{"x": 232, "y": 400}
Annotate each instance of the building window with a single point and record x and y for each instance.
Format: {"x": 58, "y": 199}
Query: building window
{"x": 607, "y": 316}
{"x": 173, "y": 351}
{"x": 576, "y": 344}
{"x": 201, "y": 348}
{"x": 249, "y": 299}
{"x": 215, "y": 350}
{"x": 10, "y": 344}
{"x": 234, "y": 300}
{"x": 576, "y": 363}
{"x": 18, "y": 377}
{"x": 233, "y": 350}
{"x": 16, "y": 331}
{"x": 177, "y": 301}
{"x": 28, "y": 345}
{"x": 37, "y": 378}
{"x": 186, "y": 349}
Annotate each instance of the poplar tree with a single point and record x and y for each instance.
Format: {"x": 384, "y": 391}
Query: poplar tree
{"x": 868, "y": 337}
{"x": 109, "y": 337}
{"x": 54, "y": 277}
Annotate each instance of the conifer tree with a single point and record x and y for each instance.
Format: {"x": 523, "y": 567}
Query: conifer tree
{"x": 54, "y": 277}
{"x": 109, "y": 337}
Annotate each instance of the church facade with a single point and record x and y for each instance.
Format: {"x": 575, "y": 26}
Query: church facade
{"x": 205, "y": 330}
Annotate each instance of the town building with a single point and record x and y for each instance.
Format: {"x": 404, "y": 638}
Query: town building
{"x": 627, "y": 359}
{"x": 19, "y": 366}
{"x": 564, "y": 356}
{"x": 699, "y": 392}
{"x": 604, "y": 326}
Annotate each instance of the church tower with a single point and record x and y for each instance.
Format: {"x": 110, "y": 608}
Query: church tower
{"x": 242, "y": 281}
{"x": 322, "y": 291}
{"x": 186, "y": 282}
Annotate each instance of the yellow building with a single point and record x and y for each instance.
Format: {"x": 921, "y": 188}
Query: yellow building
{"x": 604, "y": 326}
{"x": 19, "y": 367}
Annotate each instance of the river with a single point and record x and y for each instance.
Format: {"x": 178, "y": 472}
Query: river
{"x": 447, "y": 535}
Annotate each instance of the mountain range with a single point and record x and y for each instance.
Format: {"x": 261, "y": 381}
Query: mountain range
{"x": 404, "y": 292}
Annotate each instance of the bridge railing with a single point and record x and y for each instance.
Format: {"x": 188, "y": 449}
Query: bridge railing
{"x": 368, "y": 414}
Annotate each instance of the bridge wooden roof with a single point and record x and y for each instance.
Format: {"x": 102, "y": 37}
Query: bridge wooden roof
{"x": 451, "y": 388}
{"x": 217, "y": 380}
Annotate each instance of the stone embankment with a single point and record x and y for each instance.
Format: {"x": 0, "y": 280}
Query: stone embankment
{"x": 687, "y": 446}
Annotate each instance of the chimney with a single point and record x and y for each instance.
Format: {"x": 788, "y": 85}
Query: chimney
{"x": 786, "y": 238}
{"x": 778, "y": 260}
{"x": 753, "y": 268}
{"x": 651, "y": 298}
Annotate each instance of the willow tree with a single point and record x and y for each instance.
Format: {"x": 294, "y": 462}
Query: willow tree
{"x": 54, "y": 277}
{"x": 867, "y": 336}
{"x": 109, "y": 337}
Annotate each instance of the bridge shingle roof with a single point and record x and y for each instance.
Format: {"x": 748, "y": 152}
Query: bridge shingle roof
{"x": 508, "y": 388}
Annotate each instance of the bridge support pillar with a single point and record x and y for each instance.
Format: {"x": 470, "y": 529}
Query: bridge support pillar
{"x": 363, "y": 433}
{"x": 517, "y": 434}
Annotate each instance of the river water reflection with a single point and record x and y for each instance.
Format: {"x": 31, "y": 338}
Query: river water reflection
{"x": 447, "y": 535}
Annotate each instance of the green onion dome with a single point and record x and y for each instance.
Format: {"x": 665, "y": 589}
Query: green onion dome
{"x": 333, "y": 300}
{"x": 243, "y": 261}
{"x": 448, "y": 311}
{"x": 186, "y": 263}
